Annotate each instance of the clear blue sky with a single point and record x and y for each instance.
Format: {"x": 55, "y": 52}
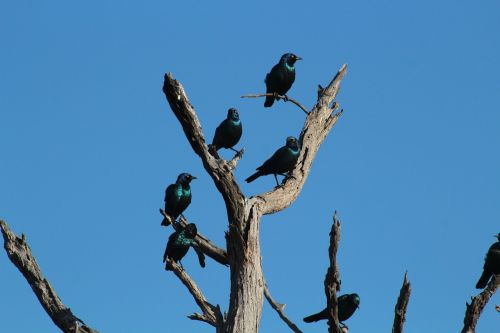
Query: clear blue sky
{"x": 88, "y": 145}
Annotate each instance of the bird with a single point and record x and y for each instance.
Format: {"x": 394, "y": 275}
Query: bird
{"x": 228, "y": 133}
{"x": 280, "y": 79}
{"x": 347, "y": 305}
{"x": 283, "y": 160}
{"x": 177, "y": 197}
{"x": 179, "y": 242}
{"x": 491, "y": 264}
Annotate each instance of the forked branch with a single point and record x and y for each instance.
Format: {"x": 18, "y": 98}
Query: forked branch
{"x": 279, "y": 307}
{"x": 317, "y": 125}
{"x": 474, "y": 309}
{"x": 21, "y": 256}
{"x": 219, "y": 169}
{"x": 401, "y": 305}
{"x": 332, "y": 278}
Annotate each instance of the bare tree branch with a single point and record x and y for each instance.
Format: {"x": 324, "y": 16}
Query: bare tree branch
{"x": 20, "y": 254}
{"x": 219, "y": 169}
{"x": 279, "y": 309}
{"x": 317, "y": 125}
{"x": 474, "y": 309}
{"x": 332, "y": 278}
{"x": 209, "y": 248}
{"x": 285, "y": 98}
{"x": 244, "y": 215}
{"x": 209, "y": 311}
{"x": 401, "y": 305}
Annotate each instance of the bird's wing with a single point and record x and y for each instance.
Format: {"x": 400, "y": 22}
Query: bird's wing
{"x": 271, "y": 78}
{"x": 218, "y": 134}
{"x": 273, "y": 164}
{"x": 170, "y": 243}
{"x": 493, "y": 257}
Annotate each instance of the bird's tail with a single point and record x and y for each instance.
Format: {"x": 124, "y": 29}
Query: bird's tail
{"x": 269, "y": 101}
{"x": 253, "y": 177}
{"x": 483, "y": 280}
{"x": 165, "y": 222}
{"x": 315, "y": 317}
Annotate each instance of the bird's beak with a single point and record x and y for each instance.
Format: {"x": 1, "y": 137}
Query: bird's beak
{"x": 298, "y": 58}
{"x": 193, "y": 177}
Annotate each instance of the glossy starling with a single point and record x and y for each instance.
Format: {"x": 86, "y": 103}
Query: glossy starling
{"x": 348, "y": 303}
{"x": 178, "y": 196}
{"x": 280, "y": 79}
{"x": 491, "y": 264}
{"x": 283, "y": 160}
{"x": 179, "y": 242}
{"x": 228, "y": 133}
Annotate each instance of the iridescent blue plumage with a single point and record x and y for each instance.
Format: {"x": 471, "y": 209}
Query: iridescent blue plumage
{"x": 282, "y": 161}
{"x": 179, "y": 242}
{"x": 178, "y": 196}
{"x": 228, "y": 133}
{"x": 281, "y": 77}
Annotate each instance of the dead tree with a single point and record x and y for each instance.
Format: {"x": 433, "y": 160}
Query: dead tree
{"x": 242, "y": 253}
{"x": 244, "y": 214}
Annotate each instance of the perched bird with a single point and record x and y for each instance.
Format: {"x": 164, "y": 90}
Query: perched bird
{"x": 280, "y": 79}
{"x": 491, "y": 264}
{"x": 179, "y": 242}
{"x": 177, "y": 197}
{"x": 228, "y": 133}
{"x": 348, "y": 303}
{"x": 283, "y": 160}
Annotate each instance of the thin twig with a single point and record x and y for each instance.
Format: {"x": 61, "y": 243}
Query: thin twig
{"x": 279, "y": 309}
{"x": 401, "y": 305}
{"x": 332, "y": 278}
{"x": 209, "y": 311}
{"x": 21, "y": 256}
{"x": 285, "y": 98}
{"x": 474, "y": 309}
{"x": 209, "y": 248}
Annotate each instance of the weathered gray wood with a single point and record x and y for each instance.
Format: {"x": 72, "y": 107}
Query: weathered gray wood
{"x": 20, "y": 254}
{"x": 244, "y": 214}
{"x": 401, "y": 306}
{"x": 332, "y": 278}
{"x": 475, "y": 308}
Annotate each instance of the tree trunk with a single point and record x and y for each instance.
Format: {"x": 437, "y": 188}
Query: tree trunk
{"x": 247, "y": 281}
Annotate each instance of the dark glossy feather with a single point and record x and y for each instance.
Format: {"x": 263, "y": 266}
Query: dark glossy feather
{"x": 282, "y": 161}
{"x": 281, "y": 77}
{"x": 491, "y": 264}
{"x": 229, "y": 132}
{"x": 347, "y": 306}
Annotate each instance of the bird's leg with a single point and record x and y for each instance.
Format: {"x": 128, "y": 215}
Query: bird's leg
{"x": 277, "y": 183}
{"x": 342, "y": 325}
{"x": 236, "y": 151}
{"x": 180, "y": 264}
{"x": 276, "y": 95}
{"x": 285, "y": 98}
